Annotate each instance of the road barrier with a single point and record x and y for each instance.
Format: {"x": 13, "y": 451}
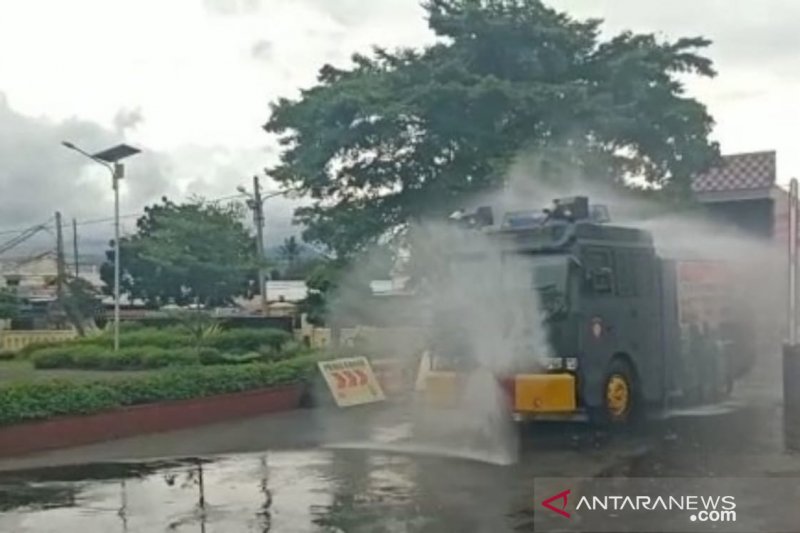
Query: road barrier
{"x": 351, "y": 381}
{"x": 395, "y": 375}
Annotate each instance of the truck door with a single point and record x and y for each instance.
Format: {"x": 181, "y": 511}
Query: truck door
{"x": 623, "y": 314}
{"x": 598, "y": 320}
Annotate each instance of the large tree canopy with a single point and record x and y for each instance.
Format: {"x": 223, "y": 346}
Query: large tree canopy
{"x": 188, "y": 253}
{"x": 406, "y": 133}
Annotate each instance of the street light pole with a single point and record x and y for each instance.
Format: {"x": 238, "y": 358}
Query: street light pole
{"x": 118, "y": 173}
{"x": 110, "y": 159}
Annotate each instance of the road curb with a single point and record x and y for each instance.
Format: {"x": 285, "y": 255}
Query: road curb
{"x": 68, "y": 431}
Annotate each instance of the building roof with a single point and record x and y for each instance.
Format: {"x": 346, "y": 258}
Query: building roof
{"x": 739, "y": 172}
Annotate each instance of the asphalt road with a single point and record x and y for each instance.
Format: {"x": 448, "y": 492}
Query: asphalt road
{"x": 360, "y": 471}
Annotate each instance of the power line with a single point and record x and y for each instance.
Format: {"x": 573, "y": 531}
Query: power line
{"x": 48, "y": 224}
{"x": 107, "y": 219}
{"x": 23, "y": 236}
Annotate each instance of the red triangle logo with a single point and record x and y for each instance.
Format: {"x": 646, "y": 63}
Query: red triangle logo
{"x": 562, "y": 509}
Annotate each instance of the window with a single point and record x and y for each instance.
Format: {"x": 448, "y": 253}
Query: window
{"x": 627, "y": 272}
{"x": 599, "y": 266}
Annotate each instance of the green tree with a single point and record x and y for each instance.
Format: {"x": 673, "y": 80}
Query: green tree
{"x": 321, "y": 283}
{"x": 191, "y": 253}
{"x": 410, "y": 133}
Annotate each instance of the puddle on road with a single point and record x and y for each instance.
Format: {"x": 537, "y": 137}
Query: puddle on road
{"x": 319, "y": 490}
{"x": 229, "y": 494}
{"x": 711, "y": 410}
{"x": 377, "y": 486}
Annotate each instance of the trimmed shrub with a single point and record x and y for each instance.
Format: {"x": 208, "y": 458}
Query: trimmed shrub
{"x": 159, "y": 358}
{"x": 64, "y": 356}
{"x": 210, "y": 356}
{"x": 7, "y": 355}
{"x": 144, "y": 348}
{"x": 294, "y": 348}
{"x": 33, "y": 347}
{"x": 39, "y": 400}
{"x": 166, "y": 338}
{"x": 100, "y": 358}
{"x": 247, "y": 340}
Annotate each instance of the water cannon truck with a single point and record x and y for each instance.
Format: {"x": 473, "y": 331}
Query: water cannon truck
{"x": 631, "y": 332}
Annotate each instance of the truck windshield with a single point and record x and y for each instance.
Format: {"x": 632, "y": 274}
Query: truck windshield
{"x": 550, "y": 280}
{"x": 545, "y": 274}
{"x": 550, "y": 273}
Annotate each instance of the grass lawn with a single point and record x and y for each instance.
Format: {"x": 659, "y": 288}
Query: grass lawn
{"x": 19, "y": 370}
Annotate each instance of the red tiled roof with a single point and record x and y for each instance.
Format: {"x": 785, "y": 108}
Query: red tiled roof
{"x": 738, "y": 172}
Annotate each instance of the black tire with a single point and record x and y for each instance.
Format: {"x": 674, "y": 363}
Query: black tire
{"x": 613, "y": 411}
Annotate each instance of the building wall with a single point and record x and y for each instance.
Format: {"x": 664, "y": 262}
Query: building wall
{"x": 36, "y": 276}
{"x": 756, "y": 217}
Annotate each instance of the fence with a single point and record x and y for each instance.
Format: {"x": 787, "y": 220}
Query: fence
{"x": 17, "y": 340}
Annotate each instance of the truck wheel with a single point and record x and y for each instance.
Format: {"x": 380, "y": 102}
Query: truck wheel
{"x": 619, "y": 402}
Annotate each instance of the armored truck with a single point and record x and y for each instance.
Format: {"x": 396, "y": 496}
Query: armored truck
{"x": 625, "y": 329}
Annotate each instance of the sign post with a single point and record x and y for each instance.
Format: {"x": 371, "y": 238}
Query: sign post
{"x": 351, "y": 381}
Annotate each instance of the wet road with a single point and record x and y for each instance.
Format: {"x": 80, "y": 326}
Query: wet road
{"x": 293, "y": 483}
{"x": 302, "y": 490}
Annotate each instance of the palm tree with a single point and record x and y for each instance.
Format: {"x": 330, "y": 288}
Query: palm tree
{"x": 290, "y": 250}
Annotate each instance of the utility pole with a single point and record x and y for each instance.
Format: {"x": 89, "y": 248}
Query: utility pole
{"x": 257, "y": 205}
{"x": 75, "y": 245}
{"x": 61, "y": 271}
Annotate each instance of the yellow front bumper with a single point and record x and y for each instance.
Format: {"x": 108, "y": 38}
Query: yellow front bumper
{"x": 532, "y": 393}
{"x": 544, "y": 393}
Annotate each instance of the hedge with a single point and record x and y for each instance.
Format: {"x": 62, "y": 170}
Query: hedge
{"x": 44, "y": 399}
{"x": 147, "y": 357}
{"x": 149, "y": 348}
{"x": 234, "y": 341}
{"x": 89, "y": 357}
{"x": 247, "y": 340}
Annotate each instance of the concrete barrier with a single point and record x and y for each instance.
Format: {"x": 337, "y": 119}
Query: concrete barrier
{"x": 396, "y": 375}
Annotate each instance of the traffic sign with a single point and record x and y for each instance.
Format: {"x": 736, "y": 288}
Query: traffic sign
{"x": 351, "y": 381}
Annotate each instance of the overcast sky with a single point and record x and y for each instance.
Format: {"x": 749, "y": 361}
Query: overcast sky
{"x": 189, "y": 81}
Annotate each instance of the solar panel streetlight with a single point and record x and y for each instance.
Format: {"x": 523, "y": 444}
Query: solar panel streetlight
{"x": 110, "y": 158}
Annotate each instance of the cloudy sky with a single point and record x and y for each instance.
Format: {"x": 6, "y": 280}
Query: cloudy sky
{"x": 189, "y": 81}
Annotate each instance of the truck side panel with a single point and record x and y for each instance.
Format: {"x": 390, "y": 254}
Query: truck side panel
{"x": 702, "y": 292}
{"x": 669, "y": 330}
